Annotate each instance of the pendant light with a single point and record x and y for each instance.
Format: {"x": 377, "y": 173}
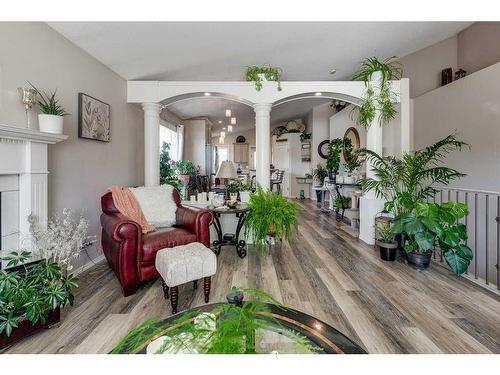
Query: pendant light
{"x": 233, "y": 120}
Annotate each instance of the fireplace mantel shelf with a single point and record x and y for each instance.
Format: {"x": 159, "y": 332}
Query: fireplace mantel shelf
{"x": 25, "y": 134}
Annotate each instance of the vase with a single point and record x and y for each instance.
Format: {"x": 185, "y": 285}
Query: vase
{"x": 50, "y": 123}
{"x": 184, "y": 179}
{"x": 245, "y": 196}
{"x": 233, "y": 196}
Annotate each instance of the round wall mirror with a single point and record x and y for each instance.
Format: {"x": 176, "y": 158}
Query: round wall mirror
{"x": 353, "y": 135}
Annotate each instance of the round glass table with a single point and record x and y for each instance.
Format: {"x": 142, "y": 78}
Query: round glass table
{"x": 292, "y": 332}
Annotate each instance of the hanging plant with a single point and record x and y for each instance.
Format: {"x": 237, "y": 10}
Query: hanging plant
{"x": 257, "y": 74}
{"x": 384, "y": 101}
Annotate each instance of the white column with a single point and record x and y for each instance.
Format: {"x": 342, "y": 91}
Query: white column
{"x": 369, "y": 204}
{"x": 263, "y": 143}
{"x": 151, "y": 144}
{"x": 406, "y": 116}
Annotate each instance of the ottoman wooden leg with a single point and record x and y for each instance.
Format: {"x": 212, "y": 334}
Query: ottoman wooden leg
{"x": 174, "y": 292}
{"x": 206, "y": 288}
{"x": 165, "y": 288}
{"x": 195, "y": 284}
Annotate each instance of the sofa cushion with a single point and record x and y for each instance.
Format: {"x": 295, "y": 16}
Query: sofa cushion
{"x": 157, "y": 204}
{"x": 162, "y": 238}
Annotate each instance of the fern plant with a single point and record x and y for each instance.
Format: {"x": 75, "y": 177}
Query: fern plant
{"x": 226, "y": 329}
{"x": 270, "y": 214}
{"x": 406, "y": 181}
{"x": 384, "y": 101}
{"x": 48, "y": 103}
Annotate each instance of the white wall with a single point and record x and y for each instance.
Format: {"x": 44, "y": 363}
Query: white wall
{"x": 80, "y": 170}
{"x": 470, "y": 105}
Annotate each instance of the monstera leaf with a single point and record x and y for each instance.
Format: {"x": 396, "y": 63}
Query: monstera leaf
{"x": 459, "y": 258}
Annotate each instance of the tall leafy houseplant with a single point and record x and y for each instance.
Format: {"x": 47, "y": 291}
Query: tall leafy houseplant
{"x": 409, "y": 180}
{"x": 352, "y": 158}
{"x": 167, "y": 167}
{"x": 384, "y": 101}
{"x": 431, "y": 224}
{"x": 30, "y": 293}
{"x": 270, "y": 214}
{"x": 257, "y": 74}
{"x": 333, "y": 158}
{"x": 320, "y": 173}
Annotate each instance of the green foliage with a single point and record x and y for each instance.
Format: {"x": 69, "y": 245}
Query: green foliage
{"x": 385, "y": 232}
{"x": 384, "y": 102}
{"x": 270, "y": 213}
{"x": 341, "y": 202}
{"x": 32, "y": 292}
{"x": 431, "y": 224}
{"x": 185, "y": 167}
{"x": 48, "y": 103}
{"x": 353, "y": 158}
{"x": 230, "y": 330}
{"x": 271, "y": 74}
{"x": 167, "y": 167}
{"x": 333, "y": 158}
{"x": 320, "y": 173}
{"x": 235, "y": 186}
{"x": 405, "y": 182}
{"x": 305, "y": 136}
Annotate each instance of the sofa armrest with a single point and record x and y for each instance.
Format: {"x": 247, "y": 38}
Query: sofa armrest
{"x": 121, "y": 238}
{"x": 197, "y": 221}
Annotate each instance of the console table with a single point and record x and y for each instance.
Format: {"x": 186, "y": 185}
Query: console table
{"x": 231, "y": 239}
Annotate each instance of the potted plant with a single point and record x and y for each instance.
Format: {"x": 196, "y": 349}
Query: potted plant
{"x": 319, "y": 173}
{"x": 383, "y": 71}
{"x": 31, "y": 296}
{"x": 167, "y": 167}
{"x": 258, "y": 74}
{"x": 270, "y": 214}
{"x": 51, "y": 118}
{"x": 246, "y": 190}
{"x": 430, "y": 225}
{"x": 333, "y": 158}
{"x": 353, "y": 161}
{"x": 385, "y": 241}
{"x": 184, "y": 169}
{"x": 233, "y": 188}
{"x": 403, "y": 182}
{"x": 341, "y": 202}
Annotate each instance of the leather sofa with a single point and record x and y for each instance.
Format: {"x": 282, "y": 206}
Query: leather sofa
{"x": 131, "y": 254}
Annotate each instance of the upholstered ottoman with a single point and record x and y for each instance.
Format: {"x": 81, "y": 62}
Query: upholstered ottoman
{"x": 182, "y": 264}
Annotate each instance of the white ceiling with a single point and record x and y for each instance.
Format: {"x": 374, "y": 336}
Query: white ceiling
{"x": 221, "y": 50}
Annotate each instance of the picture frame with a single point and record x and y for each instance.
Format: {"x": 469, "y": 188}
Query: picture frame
{"x": 94, "y": 118}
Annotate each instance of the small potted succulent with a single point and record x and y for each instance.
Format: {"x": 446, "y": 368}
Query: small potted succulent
{"x": 386, "y": 241}
{"x": 50, "y": 120}
{"x": 259, "y": 74}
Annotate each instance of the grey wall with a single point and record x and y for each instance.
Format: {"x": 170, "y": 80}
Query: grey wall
{"x": 80, "y": 170}
{"x": 478, "y": 46}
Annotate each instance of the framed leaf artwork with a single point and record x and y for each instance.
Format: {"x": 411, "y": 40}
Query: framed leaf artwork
{"x": 93, "y": 118}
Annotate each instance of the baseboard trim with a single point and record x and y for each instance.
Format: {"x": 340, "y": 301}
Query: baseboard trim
{"x": 90, "y": 264}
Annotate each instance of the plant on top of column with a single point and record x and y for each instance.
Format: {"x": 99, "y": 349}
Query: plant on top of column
{"x": 258, "y": 74}
{"x": 384, "y": 102}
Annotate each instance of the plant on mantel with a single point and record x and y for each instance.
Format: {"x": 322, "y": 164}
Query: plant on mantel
{"x": 383, "y": 102}
{"x": 258, "y": 74}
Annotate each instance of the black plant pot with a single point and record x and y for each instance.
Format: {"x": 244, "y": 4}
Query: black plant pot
{"x": 319, "y": 196}
{"x": 401, "y": 240}
{"x": 419, "y": 260}
{"x": 387, "y": 250}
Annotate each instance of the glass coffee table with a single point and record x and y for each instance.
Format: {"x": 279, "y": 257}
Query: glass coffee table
{"x": 316, "y": 337}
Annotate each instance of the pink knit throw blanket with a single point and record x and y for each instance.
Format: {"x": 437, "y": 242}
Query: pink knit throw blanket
{"x": 126, "y": 203}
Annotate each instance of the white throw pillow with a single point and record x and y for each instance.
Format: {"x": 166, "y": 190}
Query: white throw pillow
{"x": 157, "y": 204}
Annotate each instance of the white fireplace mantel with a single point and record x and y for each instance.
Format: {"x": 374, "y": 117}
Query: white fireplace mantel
{"x": 23, "y": 156}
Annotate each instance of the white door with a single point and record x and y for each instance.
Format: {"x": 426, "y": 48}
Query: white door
{"x": 281, "y": 161}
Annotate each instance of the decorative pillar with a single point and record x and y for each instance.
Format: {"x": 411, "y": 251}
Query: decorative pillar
{"x": 263, "y": 143}
{"x": 369, "y": 204}
{"x": 151, "y": 144}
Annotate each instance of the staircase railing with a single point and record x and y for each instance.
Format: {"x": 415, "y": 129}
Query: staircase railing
{"x": 483, "y": 229}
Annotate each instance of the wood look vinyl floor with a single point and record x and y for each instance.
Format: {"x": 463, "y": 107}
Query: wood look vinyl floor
{"x": 385, "y": 307}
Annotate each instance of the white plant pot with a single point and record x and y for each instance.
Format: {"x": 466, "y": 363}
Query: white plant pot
{"x": 348, "y": 179}
{"x": 245, "y": 196}
{"x": 340, "y": 179}
{"x": 233, "y": 196}
{"x": 50, "y": 123}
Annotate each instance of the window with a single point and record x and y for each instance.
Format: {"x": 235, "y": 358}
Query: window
{"x": 171, "y": 137}
{"x": 222, "y": 154}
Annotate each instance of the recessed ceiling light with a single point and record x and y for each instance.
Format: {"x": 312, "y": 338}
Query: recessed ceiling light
{"x": 318, "y": 93}
{"x": 224, "y": 128}
{"x": 228, "y": 113}
{"x": 220, "y": 122}
{"x": 233, "y": 120}
{"x": 333, "y": 71}
{"x": 207, "y": 94}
